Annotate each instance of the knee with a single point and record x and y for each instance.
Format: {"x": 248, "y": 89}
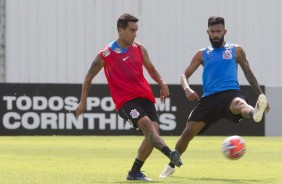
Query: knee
{"x": 192, "y": 129}
{"x": 149, "y": 128}
{"x": 238, "y": 105}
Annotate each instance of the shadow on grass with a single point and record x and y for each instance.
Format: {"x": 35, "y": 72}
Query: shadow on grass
{"x": 139, "y": 181}
{"x": 226, "y": 180}
{"x": 195, "y": 180}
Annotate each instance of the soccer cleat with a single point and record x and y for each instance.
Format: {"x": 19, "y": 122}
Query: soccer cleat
{"x": 175, "y": 158}
{"x": 137, "y": 176}
{"x": 168, "y": 171}
{"x": 260, "y": 108}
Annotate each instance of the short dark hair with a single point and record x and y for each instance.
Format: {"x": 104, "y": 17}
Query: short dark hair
{"x": 123, "y": 20}
{"x": 215, "y": 20}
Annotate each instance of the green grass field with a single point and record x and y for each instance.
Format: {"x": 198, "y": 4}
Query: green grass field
{"x": 107, "y": 159}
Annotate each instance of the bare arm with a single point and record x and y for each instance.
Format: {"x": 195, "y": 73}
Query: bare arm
{"x": 155, "y": 75}
{"x": 244, "y": 64}
{"x": 196, "y": 61}
{"x": 96, "y": 66}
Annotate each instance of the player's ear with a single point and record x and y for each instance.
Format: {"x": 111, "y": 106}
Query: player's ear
{"x": 120, "y": 30}
{"x": 225, "y": 31}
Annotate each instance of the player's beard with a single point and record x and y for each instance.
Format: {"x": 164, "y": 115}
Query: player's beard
{"x": 217, "y": 43}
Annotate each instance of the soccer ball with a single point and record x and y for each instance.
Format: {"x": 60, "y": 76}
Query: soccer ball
{"x": 233, "y": 147}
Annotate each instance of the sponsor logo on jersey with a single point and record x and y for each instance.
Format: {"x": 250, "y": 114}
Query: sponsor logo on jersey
{"x": 106, "y": 53}
{"x": 124, "y": 59}
{"x": 209, "y": 49}
{"x": 134, "y": 44}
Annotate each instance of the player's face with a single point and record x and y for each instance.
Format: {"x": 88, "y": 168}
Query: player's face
{"x": 128, "y": 34}
{"x": 216, "y": 35}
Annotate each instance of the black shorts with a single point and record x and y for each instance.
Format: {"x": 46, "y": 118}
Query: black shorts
{"x": 137, "y": 108}
{"x": 216, "y": 106}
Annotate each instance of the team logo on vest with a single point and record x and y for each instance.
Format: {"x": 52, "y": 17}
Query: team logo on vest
{"x": 106, "y": 53}
{"x": 134, "y": 113}
{"x": 209, "y": 50}
{"x": 117, "y": 50}
{"x": 227, "y": 54}
{"x": 134, "y": 44}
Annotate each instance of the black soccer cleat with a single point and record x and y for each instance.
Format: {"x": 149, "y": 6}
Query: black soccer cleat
{"x": 175, "y": 158}
{"x": 137, "y": 176}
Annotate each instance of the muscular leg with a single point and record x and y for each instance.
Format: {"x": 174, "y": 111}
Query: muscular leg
{"x": 191, "y": 130}
{"x": 144, "y": 152}
{"x": 240, "y": 106}
{"x": 151, "y": 133}
{"x": 146, "y": 147}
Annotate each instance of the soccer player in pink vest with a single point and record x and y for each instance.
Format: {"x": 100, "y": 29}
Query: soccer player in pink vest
{"x": 123, "y": 61}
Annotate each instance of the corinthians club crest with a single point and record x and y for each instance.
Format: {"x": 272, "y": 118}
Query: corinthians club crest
{"x": 227, "y": 54}
{"x": 134, "y": 113}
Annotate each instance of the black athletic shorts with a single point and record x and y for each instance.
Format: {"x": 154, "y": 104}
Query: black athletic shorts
{"x": 137, "y": 108}
{"x": 216, "y": 106}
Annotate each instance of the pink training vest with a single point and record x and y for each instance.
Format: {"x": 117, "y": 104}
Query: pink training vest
{"x": 124, "y": 73}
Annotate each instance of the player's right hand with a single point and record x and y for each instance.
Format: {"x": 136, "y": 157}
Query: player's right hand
{"x": 80, "y": 109}
{"x": 191, "y": 95}
{"x": 164, "y": 92}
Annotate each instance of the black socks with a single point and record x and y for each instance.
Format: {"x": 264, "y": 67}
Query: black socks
{"x": 166, "y": 151}
{"x": 136, "y": 166}
{"x": 172, "y": 165}
{"x": 138, "y": 163}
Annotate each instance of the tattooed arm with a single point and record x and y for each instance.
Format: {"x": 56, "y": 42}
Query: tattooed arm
{"x": 94, "y": 69}
{"x": 243, "y": 62}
